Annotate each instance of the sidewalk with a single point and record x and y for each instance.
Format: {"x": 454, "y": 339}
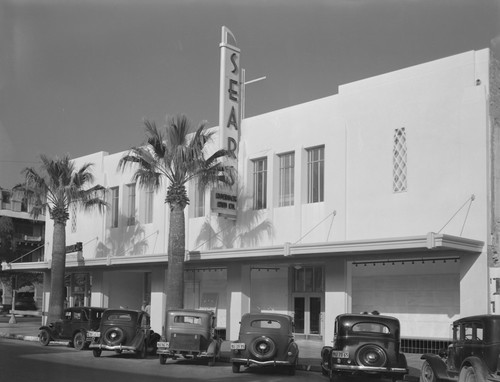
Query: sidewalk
{"x": 26, "y": 328}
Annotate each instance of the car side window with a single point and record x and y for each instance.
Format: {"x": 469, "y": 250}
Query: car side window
{"x": 67, "y": 315}
{"x": 468, "y": 332}
{"x": 268, "y": 324}
{"x": 479, "y": 332}
{"x": 77, "y": 315}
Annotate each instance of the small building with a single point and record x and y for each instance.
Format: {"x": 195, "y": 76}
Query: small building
{"x": 382, "y": 197}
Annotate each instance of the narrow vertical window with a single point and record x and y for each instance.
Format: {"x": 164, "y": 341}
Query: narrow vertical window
{"x": 73, "y": 217}
{"x": 316, "y": 174}
{"x": 148, "y": 205}
{"x": 260, "y": 184}
{"x": 287, "y": 179}
{"x": 131, "y": 204}
{"x": 114, "y": 207}
{"x": 199, "y": 200}
{"x": 399, "y": 161}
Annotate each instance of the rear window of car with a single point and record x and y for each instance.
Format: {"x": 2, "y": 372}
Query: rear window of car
{"x": 267, "y": 324}
{"x": 188, "y": 320}
{"x": 371, "y": 327}
{"x": 120, "y": 317}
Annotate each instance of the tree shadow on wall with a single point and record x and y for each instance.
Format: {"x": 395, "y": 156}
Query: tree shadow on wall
{"x": 246, "y": 231}
{"x": 125, "y": 240}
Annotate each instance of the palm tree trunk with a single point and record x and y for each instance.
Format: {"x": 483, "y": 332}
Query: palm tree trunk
{"x": 56, "y": 301}
{"x": 177, "y": 247}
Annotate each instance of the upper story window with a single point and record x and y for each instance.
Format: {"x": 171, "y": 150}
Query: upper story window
{"x": 399, "y": 161}
{"x": 316, "y": 174}
{"x": 130, "y": 200}
{"x": 199, "y": 200}
{"x": 114, "y": 195}
{"x": 148, "y": 205}
{"x": 259, "y": 183}
{"x": 287, "y": 179}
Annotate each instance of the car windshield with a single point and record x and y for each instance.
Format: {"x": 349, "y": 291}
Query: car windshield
{"x": 188, "y": 320}
{"x": 268, "y": 324}
{"x": 372, "y": 327}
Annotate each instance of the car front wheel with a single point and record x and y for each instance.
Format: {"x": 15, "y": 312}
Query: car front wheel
{"x": 471, "y": 374}
{"x": 236, "y": 368}
{"x": 427, "y": 373}
{"x": 96, "y": 352}
{"x": 163, "y": 359}
{"x": 143, "y": 351}
{"x": 44, "y": 337}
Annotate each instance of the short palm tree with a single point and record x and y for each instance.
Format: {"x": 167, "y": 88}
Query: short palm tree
{"x": 55, "y": 187}
{"x": 171, "y": 158}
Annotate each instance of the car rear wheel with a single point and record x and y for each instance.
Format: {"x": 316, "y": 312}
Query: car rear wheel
{"x": 236, "y": 368}
{"x": 79, "y": 340}
{"x": 163, "y": 359}
{"x": 471, "y": 374}
{"x": 143, "y": 351}
{"x": 96, "y": 352}
{"x": 44, "y": 337}
{"x": 426, "y": 373}
{"x": 371, "y": 355}
{"x": 262, "y": 348}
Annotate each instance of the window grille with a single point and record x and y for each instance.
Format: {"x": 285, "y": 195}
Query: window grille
{"x": 114, "y": 207}
{"x": 399, "y": 161}
{"x": 315, "y": 174}
{"x": 260, "y": 184}
{"x": 287, "y": 179}
{"x": 73, "y": 217}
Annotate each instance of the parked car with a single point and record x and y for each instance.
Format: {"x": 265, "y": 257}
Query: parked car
{"x": 124, "y": 329}
{"x": 72, "y": 327}
{"x": 364, "y": 344}
{"x": 265, "y": 339}
{"x": 473, "y": 355}
{"x": 189, "y": 334}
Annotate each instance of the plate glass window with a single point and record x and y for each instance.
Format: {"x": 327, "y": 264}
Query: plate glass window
{"x": 130, "y": 204}
{"x": 114, "y": 206}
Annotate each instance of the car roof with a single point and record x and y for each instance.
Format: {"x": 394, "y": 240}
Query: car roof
{"x": 353, "y": 317}
{"x": 266, "y": 316}
{"x": 190, "y": 311}
{"x": 479, "y": 317}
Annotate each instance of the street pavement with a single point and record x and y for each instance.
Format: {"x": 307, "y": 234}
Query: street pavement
{"x": 27, "y": 328}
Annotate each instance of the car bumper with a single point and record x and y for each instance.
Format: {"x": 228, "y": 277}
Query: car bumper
{"x": 250, "y": 361}
{"x": 112, "y": 347}
{"x": 369, "y": 369}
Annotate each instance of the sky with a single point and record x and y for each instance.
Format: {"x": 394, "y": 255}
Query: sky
{"x": 80, "y": 76}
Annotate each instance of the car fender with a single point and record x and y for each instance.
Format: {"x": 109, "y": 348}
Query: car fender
{"x": 477, "y": 363}
{"x": 50, "y": 329}
{"x": 325, "y": 353}
{"x": 213, "y": 348}
{"x": 438, "y": 365}
{"x": 294, "y": 349}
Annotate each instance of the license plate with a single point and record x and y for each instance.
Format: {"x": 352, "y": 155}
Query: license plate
{"x": 237, "y": 346}
{"x": 163, "y": 344}
{"x": 340, "y": 354}
{"x": 93, "y": 334}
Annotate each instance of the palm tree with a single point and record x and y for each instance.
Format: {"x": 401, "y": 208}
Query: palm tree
{"x": 175, "y": 156}
{"x": 55, "y": 187}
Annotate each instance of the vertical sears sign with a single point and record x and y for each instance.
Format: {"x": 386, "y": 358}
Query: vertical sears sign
{"x": 224, "y": 201}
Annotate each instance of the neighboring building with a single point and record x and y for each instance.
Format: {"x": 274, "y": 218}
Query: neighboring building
{"x": 381, "y": 197}
{"x": 22, "y": 240}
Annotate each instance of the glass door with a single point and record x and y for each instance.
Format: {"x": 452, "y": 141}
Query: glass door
{"x": 307, "y": 314}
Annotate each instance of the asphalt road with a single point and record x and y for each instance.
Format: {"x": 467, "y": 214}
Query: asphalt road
{"x": 23, "y": 361}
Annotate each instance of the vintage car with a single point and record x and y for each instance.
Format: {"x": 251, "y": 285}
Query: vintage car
{"x": 124, "y": 330}
{"x": 265, "y": 339}
{"x": 473, "y": 355}
{"x": 189, "y": 334}
{"x": 364, "y": 344}
{"x": 72, "y": 327}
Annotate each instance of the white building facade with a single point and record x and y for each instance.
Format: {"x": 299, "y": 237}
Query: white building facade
{"x": 380, "y": 197}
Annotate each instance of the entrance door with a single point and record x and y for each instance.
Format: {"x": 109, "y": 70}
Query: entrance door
{"x": 307, "y": 314}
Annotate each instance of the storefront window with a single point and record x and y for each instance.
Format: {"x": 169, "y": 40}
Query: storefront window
{"x": 308, "y": 279}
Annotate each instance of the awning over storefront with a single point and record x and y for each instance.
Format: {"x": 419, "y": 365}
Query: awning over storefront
{"x": 421, "y": 245}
